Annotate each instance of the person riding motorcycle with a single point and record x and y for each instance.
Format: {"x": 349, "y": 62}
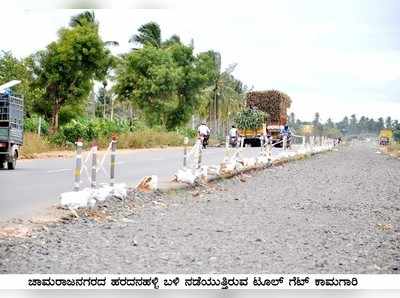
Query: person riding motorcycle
{"x": 204, "y": 133}
{"x": 286, "y": 132}
{"x": 233, "y": 136}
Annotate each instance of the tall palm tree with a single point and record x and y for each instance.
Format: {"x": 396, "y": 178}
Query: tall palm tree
{"x": 87, "y": 17}
{"x": 149, "y": 33}
{"x": 224, "y": 97}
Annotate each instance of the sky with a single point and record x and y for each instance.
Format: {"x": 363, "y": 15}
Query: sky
{"x": 332, "y": 57}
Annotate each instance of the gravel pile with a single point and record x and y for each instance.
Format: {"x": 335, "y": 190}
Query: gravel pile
{"x": 337, "y": 212}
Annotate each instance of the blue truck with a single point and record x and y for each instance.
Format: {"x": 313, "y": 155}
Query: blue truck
{"x": 11, "y": 126}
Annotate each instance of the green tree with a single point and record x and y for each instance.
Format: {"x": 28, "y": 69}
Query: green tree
{"x": 67, "y": 68}
{"x": 388, "y": 122}
{"x": 149, "y": 34}
{"x": 380, "y": 124}
{"x": 164, "y": 82}
{"x": 353, "y": 124}
{"x": 329, "y": 124}
{"x": 225, "y": 96}
{"x": 12, "y": 68}
{"x": 317, "y": 126}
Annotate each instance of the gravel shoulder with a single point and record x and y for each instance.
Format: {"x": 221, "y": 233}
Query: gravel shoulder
{"x": 337, "y": 212}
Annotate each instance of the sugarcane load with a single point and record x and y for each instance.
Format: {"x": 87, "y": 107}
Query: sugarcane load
{"x": 265, "y": 115}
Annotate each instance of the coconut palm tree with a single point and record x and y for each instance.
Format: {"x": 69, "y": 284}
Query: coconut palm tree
{"x": 87, "y": 17}
{"x": 224, "y": 97}
{"x": 149, "y": 33}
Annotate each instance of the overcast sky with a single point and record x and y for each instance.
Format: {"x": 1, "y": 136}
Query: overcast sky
{"x": 336, "y": 57}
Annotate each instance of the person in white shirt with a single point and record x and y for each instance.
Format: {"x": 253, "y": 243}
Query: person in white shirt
{"x": 233, "y": 136}
{"x": 204, "y": 131}
{"x": 233, "y": 132}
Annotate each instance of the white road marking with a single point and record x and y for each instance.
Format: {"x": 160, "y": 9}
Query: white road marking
{"x": 58, "y": 171}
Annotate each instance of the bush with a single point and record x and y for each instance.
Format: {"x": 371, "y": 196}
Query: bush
{"x": 249, "y": 119}
{"x": 149, "y": 138}
{"x": 90, "y": 129}
{"x": 186, "y": 132}
{"x": 34, "y": 144}
{"x": 31, "y": 124}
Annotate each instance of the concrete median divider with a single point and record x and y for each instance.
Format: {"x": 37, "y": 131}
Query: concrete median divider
{"x": 193, "y": 172}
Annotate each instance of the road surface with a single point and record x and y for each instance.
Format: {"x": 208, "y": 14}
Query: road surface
{"x": 337, "y": 212}
{"x": 36, "y": 184}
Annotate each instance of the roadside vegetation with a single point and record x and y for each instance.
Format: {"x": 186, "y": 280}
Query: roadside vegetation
{"x": 154, "y": 95}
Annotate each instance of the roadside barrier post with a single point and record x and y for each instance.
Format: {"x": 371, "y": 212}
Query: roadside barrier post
{"x": 284, "y": 144}
{"x": 78, "y": 165}
{"x": 269, "y": 150}
{"x": 94, "y": 166}
{"x": 241, "y": 142}
{"x": 200, "y": 145}
{"x": 303, "y": 141}
{"x": 226, "y": 148}
{"x": 185, "y": 142}
{"x": 112, "y": 162}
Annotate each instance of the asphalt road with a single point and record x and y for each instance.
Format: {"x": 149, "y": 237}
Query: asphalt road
{"x": 36, "y": 184}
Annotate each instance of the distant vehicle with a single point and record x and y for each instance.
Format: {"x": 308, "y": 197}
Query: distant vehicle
{"x": 385, "y": 136}
{"x": 11, "y": 125}
{"x": 275, "y": 104}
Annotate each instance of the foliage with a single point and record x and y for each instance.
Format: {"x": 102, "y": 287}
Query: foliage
{"x": 332, "y": 132}
{"x": 149, "y": 138}
{"x": 31, "y": 124}
{"x": 250, "y": 119}
{"x": 225, "y": 96}
{"x": 149, "y": 34}
{"x": 12, "y": 68}
{"x": 68, "y": 66}
{"x": 163, "y": 82}
{"x": 187, "y": 132}
{"x": 90, "y": 130}
{"x": 396, "y": 132}
{"x": 34, "y": 144}
{"x": 273, "y": 102}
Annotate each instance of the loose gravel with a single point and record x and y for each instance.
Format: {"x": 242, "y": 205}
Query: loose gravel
{"x": 337, "y": 212}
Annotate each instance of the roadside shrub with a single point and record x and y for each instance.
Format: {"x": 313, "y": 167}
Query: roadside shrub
{"x": 149, "y": 138}
{"x": 31, "y": 124}
{"x": 34, "y": 144}
{"x": 186, "y": 132}
{"x": 90, "y": 129}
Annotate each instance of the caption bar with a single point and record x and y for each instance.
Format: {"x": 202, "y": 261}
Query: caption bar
{"x": 185, "y": 281}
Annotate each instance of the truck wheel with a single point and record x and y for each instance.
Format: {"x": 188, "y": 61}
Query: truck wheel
{"x": 12, "y": 164}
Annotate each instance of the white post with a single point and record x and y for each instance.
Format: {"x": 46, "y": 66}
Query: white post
{"x": 303, "y": 141}
{"x": 112, "y": 162}
{"x": 39, "y": 130}
{"x": 284, "y": 142}
{"x": 185, "y": 142}
{"x": 78, "y": 165}
{"x": 94, "y": 166}
{"x": 269, "y": 151}
{"x": 199, "y": 152}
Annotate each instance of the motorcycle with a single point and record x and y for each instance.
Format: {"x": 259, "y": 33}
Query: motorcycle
{"x": 204, "y": 140}
{"x": 233, "y": 141}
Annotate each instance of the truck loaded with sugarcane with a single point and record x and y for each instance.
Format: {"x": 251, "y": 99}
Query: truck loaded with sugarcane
{"x": 265, "y": 114}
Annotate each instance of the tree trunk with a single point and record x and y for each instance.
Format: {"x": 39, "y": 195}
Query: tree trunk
{"x": 54, "y": 117}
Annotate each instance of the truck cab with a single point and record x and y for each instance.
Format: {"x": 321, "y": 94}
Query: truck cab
{"x": 385, "y": 137}
{"x": 11, "y": 127}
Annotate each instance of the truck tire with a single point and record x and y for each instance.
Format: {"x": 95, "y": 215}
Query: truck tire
{"x": 12, "y": 164}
